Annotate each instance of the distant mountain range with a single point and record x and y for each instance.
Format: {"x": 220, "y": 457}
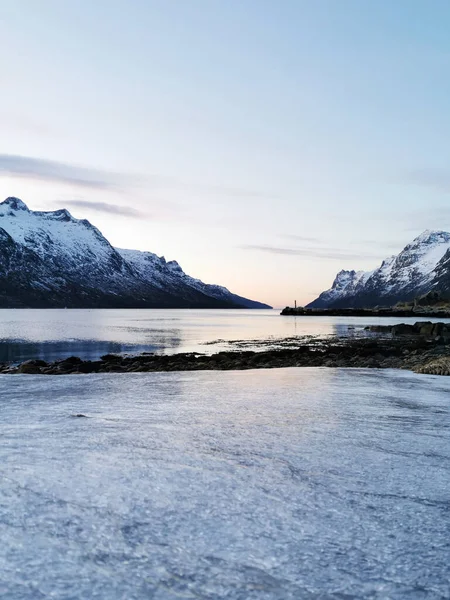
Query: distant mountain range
{"x": 51, "y": 259}
{"x": 422, "y": 266}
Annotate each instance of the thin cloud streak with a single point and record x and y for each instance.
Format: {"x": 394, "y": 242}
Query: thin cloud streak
{"x": 53, "y": 171}
{"x": 326, "y": 253}
{"x": 58, "y": 172}
{"x": 370, "y": 243}
{"x": 106, "y": 207}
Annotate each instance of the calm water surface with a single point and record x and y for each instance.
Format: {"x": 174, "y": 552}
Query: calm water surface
{"x": 52, "y": 334}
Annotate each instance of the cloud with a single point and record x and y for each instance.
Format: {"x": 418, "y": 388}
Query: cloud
{"x": 106, "y": 207}
{"x": 54, "y": 171}
{"x": 321, "y": 253}
{"x": 318, "y": 242}
{"x": 276, "y": 250}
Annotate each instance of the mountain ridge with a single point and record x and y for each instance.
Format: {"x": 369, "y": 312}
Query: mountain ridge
{"x": 51, "y": 259}
{"x": 422, "y": 266}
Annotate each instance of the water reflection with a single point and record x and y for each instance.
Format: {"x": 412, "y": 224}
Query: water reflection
{"x": 18, "y": 350}
{"x": 55, "y": 333}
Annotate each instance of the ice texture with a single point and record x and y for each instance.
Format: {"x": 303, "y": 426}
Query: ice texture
{"x": 279, "y": 484}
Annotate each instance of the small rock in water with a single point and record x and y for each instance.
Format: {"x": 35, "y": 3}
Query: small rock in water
{"x": 78, "y": 415}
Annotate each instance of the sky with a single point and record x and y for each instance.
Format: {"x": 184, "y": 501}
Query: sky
{"x": 264, "y": 145}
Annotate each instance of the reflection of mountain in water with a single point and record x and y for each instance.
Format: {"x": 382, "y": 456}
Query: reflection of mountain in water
{"x": 20, "y": 350}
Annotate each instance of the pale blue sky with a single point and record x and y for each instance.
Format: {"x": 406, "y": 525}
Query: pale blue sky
{"x": 264, "y": 145}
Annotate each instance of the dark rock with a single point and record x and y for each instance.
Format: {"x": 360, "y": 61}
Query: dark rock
{"x": 426, "y": 328}
{"x": 89, "y": 366}
{"x": 63, "y": 367}
{"x": 71, "y": 360}
{"x": 36, "y": 362}
{"x": 48, "y": 370}
{"x": 111, "y": 358}
{"x": 438, "y": 366}
{"x": 437, "y": 329}
{"x": 408, "y": 349}
{"x": 115, "y": 368}
{"x": 31, "y": 367}
{"x": 379, "y": 328}
{"x": 403, "y": 329}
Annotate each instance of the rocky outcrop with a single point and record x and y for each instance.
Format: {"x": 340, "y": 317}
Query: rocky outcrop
{"x": 415, "y": 353}
{"x": 436, "y": 366}
{"x": 421, "y": 328}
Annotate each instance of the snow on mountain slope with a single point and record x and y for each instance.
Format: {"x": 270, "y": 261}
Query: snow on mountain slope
{"x": 147, "y": 264}
{"x": 68, "y": 243}
{"x": 52, "y": 259}
{"x": 169, "y": 274}
{"x": 415, "y": 264}
{"x": 344, "y": 285}
{"x": 400, "y": 277}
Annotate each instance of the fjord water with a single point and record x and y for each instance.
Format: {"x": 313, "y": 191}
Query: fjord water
{"x": 279, "y": 484}
{"x": 52, "y": 334}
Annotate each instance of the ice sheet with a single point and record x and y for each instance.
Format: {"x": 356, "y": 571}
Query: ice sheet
{"x": 280, "y": 484}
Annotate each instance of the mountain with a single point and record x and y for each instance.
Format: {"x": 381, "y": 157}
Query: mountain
{"x": 422, "y": 266}
{"x": 51, "y": 259}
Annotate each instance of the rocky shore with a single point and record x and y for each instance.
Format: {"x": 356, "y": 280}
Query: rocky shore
{"x": 430, "y": 305}
{"x": 403, "y": 313}
{"x": 420, "y": 352}
{"x": 427, "y": 329}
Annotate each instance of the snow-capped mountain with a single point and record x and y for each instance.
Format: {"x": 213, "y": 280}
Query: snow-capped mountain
{"x": 170, "y": 275}
{"x": 51, "y": 259}
{"x": 423, "y": 265}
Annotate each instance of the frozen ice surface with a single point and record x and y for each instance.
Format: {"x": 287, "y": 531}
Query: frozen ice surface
{"x": 279, "y": 484}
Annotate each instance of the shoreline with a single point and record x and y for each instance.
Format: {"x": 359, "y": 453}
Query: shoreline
{"x": 365, "y": 312}
{"x": 417, "y": 353}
